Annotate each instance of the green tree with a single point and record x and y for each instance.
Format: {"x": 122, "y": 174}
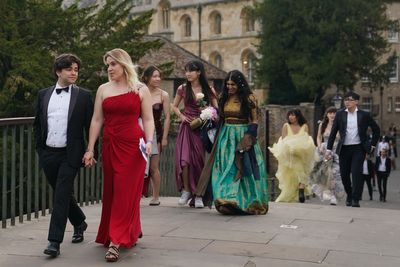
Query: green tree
{"x": 309, "y": 45}
{"x": 33, "y": 32}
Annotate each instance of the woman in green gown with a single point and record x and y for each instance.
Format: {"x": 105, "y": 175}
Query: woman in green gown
{"x": 238, "y": 177}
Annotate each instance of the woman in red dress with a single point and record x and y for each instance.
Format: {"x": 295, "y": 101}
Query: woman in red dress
{"x": 118, "y": 105}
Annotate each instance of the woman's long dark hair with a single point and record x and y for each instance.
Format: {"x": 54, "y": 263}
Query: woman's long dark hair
{"x": 148, "y": 73}
{"x": 325, "y": 119}
{"x": 296, "y": 112}
{"x": 196, "y": 65}
{"x": 243, "y": 93}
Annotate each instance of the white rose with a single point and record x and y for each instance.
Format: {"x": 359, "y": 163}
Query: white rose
{"x": 199, "y": 96}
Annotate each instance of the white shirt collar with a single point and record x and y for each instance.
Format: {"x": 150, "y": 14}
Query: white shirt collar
{"x": 347, "y": 110}
{"x": 59, "y": 86}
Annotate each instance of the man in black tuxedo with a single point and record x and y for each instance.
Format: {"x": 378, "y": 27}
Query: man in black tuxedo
{"x": 63, "y": 116}
{"x": 352, "y": 124}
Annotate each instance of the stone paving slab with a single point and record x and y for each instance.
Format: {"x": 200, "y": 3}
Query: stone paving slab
{"x": 182, "y": 236}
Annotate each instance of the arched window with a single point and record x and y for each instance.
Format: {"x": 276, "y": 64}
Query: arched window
{"x": 248, "y": 65}
{"x": 216, "y": 59}
{"x": 165, "y": 7}
{"x": 186, "y": 26}
{"x": 248, "y": 23}
{"x": 216, "y": 21}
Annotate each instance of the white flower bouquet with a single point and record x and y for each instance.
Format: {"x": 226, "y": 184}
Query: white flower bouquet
{"x": 209, "y": 113}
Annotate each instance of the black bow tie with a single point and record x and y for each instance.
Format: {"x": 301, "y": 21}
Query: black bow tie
{"x": 58, "y": 90}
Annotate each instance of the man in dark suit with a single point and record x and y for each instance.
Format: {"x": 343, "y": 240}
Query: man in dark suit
{"x": 368, "y": 174}
{"x": 352, "y": 124}
{"x": 383, "y": 167}
{"x": 63, "y": 116}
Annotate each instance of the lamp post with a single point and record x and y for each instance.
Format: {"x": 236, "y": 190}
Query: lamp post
{"x": 337, "y": 101}
{"x": 199, "y": 11}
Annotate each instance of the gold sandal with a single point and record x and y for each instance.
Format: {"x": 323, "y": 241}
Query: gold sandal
{"x": 112, "y": 255}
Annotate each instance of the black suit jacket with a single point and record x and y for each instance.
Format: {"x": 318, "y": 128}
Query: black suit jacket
{"x": 388, "y": 164}
{"x": 364, "y": 120}
{"x": 79, "y": 117}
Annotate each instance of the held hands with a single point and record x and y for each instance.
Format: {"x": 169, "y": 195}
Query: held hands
{"x": 328, "y": 155}
{"x": 88, "y": 159}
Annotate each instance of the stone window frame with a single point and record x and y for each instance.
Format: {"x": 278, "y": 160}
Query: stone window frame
{"x": 394, "y": 76}
{"x": 165, "y": 14}
{"x": 248, "y": 23}
{"x": 397, "y": 104}
{"x": 216, "y": 59}
{"x": 366, "y": 103}
{"x": 389, "y": 104}
{"x": 215, "y": 19}
{"x": 186, "y": 26}
{"x": 248, "y": 61}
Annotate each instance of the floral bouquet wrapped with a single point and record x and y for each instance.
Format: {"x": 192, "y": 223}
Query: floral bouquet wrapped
{"x": 207, "y": 114}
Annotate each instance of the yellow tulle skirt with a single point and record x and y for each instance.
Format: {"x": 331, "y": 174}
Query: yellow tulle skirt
{"x": 296, "y": 156}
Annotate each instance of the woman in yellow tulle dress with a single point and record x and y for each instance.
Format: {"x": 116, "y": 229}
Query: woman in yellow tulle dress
{"x": 295, "y": 152}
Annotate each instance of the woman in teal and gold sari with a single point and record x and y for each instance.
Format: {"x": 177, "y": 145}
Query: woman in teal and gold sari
{"x": 238, "y": 177}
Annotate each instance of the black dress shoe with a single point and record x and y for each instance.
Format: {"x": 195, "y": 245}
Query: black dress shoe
{"x": 301, "y": 195}
{"x": 355, "y": 204}
{"x": 53, "y": 249}
{"x": 348, "y": 201}
{"x": 77, "y": 237}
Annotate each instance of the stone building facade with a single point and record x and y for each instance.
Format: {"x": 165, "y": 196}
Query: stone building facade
{"x": 220, "y": 32}
{"x": 384, "y": 102}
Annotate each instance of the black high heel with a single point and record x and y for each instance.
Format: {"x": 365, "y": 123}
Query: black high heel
{"x": 302, "y": 198}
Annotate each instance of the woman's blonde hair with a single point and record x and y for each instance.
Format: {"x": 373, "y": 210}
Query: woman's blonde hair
{"x": 123, "y": 58}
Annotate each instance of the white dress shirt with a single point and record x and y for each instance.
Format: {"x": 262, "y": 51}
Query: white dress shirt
{"x": 382, "y": 145}
{"x": 382, "y": 165}
{"x": 352, "y": 137}
{"x": 57, "y": 118}
{"x": 365, "y": 167}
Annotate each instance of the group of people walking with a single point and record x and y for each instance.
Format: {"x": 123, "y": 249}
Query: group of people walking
{"x": 129, "y": 113}
{"x": 341, "y": 163}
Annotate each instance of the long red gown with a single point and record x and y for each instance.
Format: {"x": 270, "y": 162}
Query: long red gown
{"x": 123, "y": 167}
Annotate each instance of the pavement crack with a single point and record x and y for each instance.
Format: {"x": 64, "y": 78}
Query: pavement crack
{"x": 209, "y": 243}
{"x": 166, "y": 233}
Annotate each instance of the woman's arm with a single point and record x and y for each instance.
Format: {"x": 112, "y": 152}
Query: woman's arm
{"x": 319, "y": 135}
{"x": 167, "y": 118}
{"x": 147, "y": 116}
{"x": 253, "y": 110}
{"x": 175, "y": 105}
{"x": 95, "y": 127}
{"x": 306, "y": 128}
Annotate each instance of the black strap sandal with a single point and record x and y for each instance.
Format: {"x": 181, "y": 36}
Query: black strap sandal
{"x": 112, "y": 255}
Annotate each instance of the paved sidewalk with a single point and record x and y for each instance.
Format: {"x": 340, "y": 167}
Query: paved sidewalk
{"x": 295, "y": 234}
{"x": 183, "y": 236}
{"x": 392, "y": 198}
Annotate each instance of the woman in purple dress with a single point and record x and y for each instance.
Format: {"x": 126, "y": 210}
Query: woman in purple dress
{"x": 189, "y": 155}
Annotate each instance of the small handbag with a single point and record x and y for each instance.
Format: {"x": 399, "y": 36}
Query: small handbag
{"x": 196, "y": 123}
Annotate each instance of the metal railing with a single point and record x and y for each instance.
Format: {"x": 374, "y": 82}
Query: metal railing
{"x": 25, "y": 192}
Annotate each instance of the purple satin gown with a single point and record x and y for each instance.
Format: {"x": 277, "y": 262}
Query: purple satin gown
{"x": 189, "y": 147}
